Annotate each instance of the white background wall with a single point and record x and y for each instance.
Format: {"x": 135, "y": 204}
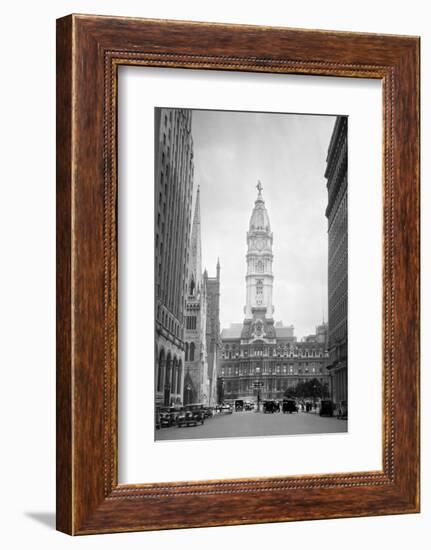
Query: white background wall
{"x": 27, "y": 289}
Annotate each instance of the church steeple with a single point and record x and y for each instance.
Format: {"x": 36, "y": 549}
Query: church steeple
{"x": 195, "y": 260}
{"x": 259, "y": 278}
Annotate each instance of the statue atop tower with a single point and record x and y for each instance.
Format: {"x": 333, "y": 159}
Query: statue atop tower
{"x": 259, "y": 186}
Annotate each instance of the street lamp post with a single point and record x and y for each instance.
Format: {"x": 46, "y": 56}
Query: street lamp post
{"x": 314, "y": 397}
{"x": 258, "y": 384}
{"x": 188, "y": 390}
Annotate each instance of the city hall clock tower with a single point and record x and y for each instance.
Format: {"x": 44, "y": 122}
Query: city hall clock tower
{"x": 259, "y": 277}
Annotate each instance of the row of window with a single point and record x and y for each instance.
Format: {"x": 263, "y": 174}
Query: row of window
{"x": 278, "y": 369}
{"x": 169, "y": 378}
{"x": 191, "y": 322}
{"x": 269, "y": 353}
{"x": 278, "y": 384}
{"x": 173, "y": 213}
{"x": 259, "y": 286}
{"x": 167, "y": 321}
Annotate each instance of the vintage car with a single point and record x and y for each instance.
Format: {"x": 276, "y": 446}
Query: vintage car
{"x": 191, "y": 415}
{"x": 289, "y": 406}
{"x": 165, "y": 419}
{"x": 208, "y": 412}
{"x": 248, "y": 406}
{"x": 342, "y": 410}
{"x": 168, "y": 416}
{"x": 226, "y": 409}
{"x": 239, "y": 405}
{"x": 326, "y": 408}
{"x": 157, "y": 419}
{"x": 271, "y": 406}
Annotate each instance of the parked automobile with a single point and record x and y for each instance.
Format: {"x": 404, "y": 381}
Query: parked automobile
{"x": 239, "y": 405}
{"x": 271, "y": 406}
{"x": 289, "y": 406}
{"x": 168, "y": 416}
{"x": 342, "y": 410}
{"x": 165, "y": 419}
{"x": 326, "y": 408}
{"x": 226, "y": 409}
{"x": 192, "y": 415}
{"x": 208, "y": 412}
{"x": 249, "y": 406}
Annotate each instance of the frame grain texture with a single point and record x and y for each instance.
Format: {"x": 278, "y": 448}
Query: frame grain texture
{"x": 89, "y": 51}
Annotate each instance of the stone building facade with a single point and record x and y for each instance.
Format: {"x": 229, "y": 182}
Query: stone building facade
{"x": 174, "y": 172}
{"x": 336, "y": 212}
{"x": 196, "y": 363}
{"x": 259, "y": 351}
{"x": 213, "y": 342}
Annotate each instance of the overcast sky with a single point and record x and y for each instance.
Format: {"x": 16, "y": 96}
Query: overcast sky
{"x": 232, "y": 150}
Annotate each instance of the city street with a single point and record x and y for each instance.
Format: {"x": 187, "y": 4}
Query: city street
{"x": 245, "y": 424}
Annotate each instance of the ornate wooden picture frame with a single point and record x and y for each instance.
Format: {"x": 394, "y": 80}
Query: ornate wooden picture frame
{"x": 89, "y": 51}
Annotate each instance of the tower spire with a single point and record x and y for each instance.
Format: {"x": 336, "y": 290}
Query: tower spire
{"x": 195, "y": 270}
{"x": 259, "y": 277}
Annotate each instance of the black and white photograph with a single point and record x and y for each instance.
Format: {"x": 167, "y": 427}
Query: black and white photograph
{"x": 251, "y": 278}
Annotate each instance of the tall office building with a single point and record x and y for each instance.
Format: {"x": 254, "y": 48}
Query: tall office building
{"x": 173, "y": 202}
{"x": 336, "y": 212}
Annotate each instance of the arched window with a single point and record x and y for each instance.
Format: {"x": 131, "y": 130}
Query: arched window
{"x": 187, "y": 351}
{"x": 192, "y": 287}
{"x": 160, "y": 369}
{"x": 168, "y": 367}
{"x": 174, "y": 375}
{"x": 179, "y": 373}
{"x": 192, "y": 352}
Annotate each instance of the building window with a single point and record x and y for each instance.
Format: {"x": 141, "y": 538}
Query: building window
{"x": 191, "y": 322}
{"x": 160, "y": 369}
{"x": 192, "y": 351}
{"x": 179, "y": 378}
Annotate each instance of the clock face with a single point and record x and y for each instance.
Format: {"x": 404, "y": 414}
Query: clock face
{"x": 260, "y": 244}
